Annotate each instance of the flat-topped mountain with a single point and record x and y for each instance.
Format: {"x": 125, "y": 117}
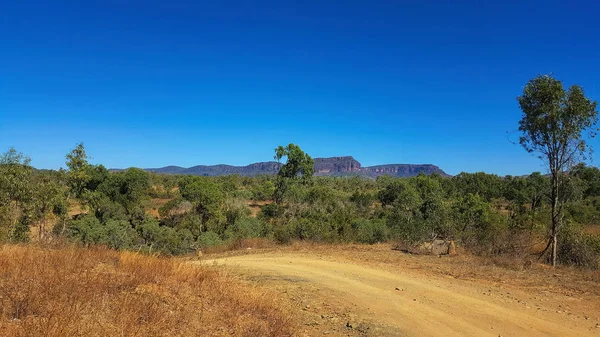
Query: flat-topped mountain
{"x": 403, "y": 170}
{"x": 333, "y": 166}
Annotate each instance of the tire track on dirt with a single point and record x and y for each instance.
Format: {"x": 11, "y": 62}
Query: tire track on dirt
{"x": 412, "y": 304}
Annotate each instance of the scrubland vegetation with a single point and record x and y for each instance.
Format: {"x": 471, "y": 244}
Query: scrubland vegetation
{"x": 136, "y": 210}
{"x": 128, "y": 290}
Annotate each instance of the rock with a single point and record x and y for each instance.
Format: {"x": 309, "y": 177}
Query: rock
{"x": 333, "y": 165}
{"x": 435, "y": 247}
{"x": 403, "y": 170}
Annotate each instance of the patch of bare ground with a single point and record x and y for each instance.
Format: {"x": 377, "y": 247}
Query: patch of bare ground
{"x": 358, "y": 290}
{"x": 155, "y": 204}
{"x": 255, "y": 206}
{"x": 72, "y": 291}
{"x": 593, "y": 229}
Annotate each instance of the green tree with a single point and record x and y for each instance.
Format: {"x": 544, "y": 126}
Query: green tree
{"x": 78, "y": 170}
{"x": 208, "y": 201}
{"x": 553, "y": 125}
{"x": 591, "y": 176}
{"x": 405, "y": 218}
{"x": 48, "y": 191}
{"x": 299, "y": 167}
{"x": 488, "y": 186}
{"x": 130, "y": 189}
{"x": 15, "y": 191}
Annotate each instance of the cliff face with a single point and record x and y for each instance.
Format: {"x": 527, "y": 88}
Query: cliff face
{"x": 333, "y": 166}
{"x": 403, "y": 170}
{"x": 325, "y": 166}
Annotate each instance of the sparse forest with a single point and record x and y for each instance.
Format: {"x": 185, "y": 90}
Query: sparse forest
{"x": 299, "y": 168}
{"x": 135, "y": 210}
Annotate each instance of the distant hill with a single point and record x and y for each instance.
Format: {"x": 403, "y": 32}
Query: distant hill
{"x": 333, "y": 166}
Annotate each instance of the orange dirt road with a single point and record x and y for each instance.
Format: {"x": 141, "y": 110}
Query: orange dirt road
{"x": 410, "y": 303}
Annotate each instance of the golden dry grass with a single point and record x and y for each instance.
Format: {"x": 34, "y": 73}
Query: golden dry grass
{"x": 593, "y": 230}
{"x": 255, "y": 206}
{"x": 155, "y": 204}
{"x": 73, "y": 291}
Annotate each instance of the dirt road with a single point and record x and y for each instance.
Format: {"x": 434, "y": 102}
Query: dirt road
{"x": 403, "y": 302}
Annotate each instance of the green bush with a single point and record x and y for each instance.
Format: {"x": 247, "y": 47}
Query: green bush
{"x": 21, "y": 230}
{"x": 209, "y": 239}
{"x": 370, "y": 231}
{"x": 311, "y": 229}
{"x": 263, "y": 191}
{"x": 578, "y": 248}
{"x": 246, "y": 227}
{"x": 283, "y": 234}
{"x": 272, "y": 210}
{"x": 362, "y": 200}
{"x": 116, "y": 234}
{"x": 109, "y": 210}
{"x": 165, "y": 239}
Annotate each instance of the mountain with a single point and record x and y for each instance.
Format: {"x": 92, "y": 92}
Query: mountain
{"x": 270, "y": 167}
{"x": 403, "y": 170}
{"x": 333, "y": 166}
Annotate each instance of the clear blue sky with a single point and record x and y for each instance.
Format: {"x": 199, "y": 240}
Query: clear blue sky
{"x": 155, "y": 83}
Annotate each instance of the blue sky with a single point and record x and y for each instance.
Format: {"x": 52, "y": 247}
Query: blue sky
{"x": 156, "y": 83}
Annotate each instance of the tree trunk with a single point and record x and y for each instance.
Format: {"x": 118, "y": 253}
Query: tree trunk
{"x": 555, "y": 218}
{"x": 14, "y": 220}
{"x": 554, "y": 246}
{"x": 65, "y": 216}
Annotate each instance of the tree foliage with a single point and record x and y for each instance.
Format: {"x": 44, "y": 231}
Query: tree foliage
{"x": 299, "y": 167}
{"x": 553, "y": 125}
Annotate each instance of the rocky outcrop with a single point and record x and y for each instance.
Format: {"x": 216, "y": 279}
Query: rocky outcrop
{"x": 333, "y": 166}
{"x": 403, "y": 170}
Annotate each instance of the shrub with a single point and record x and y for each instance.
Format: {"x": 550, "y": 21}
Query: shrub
{"x": 165, "y": 239}
{"x": 87, "y": 229}
{"x": 21, "y": 231}
{"x": 272, "y": 210}
{"x": 263, "y": 191}
{"x": 362, "y": 200}
{"x": 209, "y": 239}
{"x": 283, "y": 234}
{"x": 370, "y": 231}
{"x": 245, "y": 228}
{"x": 578, "y": 248}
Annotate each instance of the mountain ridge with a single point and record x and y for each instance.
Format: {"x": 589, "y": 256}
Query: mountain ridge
{"x": 329, "y": 166}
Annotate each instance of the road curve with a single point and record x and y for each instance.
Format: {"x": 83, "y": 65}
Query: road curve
{"x": 412, "y": 303}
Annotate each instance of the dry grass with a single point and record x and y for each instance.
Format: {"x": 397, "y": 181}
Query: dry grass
{"x": 73, "y": 291}
{"x": 155, "y": 204}
{"x": 593, "y": 230}
{"x": 255, "y": 206}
